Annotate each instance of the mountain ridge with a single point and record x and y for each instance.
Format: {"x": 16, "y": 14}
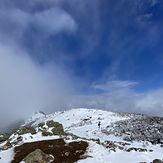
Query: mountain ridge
{"x": 104, "y": 141}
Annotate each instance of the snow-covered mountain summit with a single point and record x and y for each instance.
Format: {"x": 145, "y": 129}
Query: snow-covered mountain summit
{"x": 75, "y": 116}
{"x": 35, "y": 116}
{"x": 125, "y": 125}
{"x": 120, "y": 137}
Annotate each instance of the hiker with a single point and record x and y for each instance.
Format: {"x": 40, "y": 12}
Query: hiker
{"x": 99, "y": 124}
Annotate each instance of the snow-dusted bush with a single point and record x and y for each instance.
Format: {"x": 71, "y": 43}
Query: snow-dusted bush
{"x": 26, "y": 129}
{"x": 141, "y": 128}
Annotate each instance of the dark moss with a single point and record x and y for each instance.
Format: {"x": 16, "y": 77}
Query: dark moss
{"x": 46, "y": 133}
{"x": 41, "y": 125}
{"x": 51, "y": 123}
{"x": 4, "y": 137}
{"x": 26, "y": 129}
{"x": 14, "y": 131}
{"x": 58, "y": 130}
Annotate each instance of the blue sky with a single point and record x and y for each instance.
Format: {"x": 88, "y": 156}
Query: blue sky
{"x": 57, "y": 54}
{"x": 123, "y": 38}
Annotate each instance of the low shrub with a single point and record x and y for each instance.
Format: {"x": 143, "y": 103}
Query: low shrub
{"x": 46, "y": 133}
{"x": 41, "y": 125}
{"x": 58, "y": 130}
{"x": 26, "y": 129}
{"x": 4, "y": 137}
{"x": 51, "y": 123}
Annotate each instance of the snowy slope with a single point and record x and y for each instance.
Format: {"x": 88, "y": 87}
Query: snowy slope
{"x": 84, "y": 123}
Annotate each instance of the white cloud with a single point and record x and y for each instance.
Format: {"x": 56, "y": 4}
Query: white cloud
{"x": 123, "y": 101}
{"x": 114, "y": 85}
{"x": 19, "y": 17}
{"x": 13, "y": 23}
{"x": 151, "y": 102}
{"x": 153, "y": 2}
{"x": 50, "y": 21}
{"x": 119, "y": 96}
{"x": 26, "y": 87}
{"x": 15, "y": 16}
{"x": 54, "y": 20}
{"x": 144, "y": 20}
{"x": 143, "y": 4}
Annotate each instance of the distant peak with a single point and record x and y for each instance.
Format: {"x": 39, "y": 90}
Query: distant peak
{"x": 39, "y": 112}
{"x": 34, "y": 117}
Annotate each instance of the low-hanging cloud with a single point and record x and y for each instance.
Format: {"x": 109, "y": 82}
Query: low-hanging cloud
{"x": 26, "y": 87}
{"x": 120, "y": 96}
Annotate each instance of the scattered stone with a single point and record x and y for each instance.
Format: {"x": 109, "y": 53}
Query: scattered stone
{"x": 121, "y": 148}
{"x": 124, "y": 143}
{"x": 157, "y": 161}
{"x": 136, "y": 149}
{"x": 17, "y": 141}
{"x": 6, "y": 146}
{"x": 84, "y": 156}
{"x": 67, "y": 154}
{"x": 79, "y": 151}
{"x": 131, "y": 149}
{"x": 142, "y": 150}
{"x": 113, "y": 145}
{"x": 110, "y": 144}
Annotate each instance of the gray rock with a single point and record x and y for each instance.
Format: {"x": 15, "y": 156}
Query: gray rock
{"x": 38, "y": 156}
{"x": 157, "y": 161}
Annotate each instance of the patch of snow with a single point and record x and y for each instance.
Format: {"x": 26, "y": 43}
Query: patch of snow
{"x": 6, "y": 156}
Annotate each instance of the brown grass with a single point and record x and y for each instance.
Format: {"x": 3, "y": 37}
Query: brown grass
{"x": 62, "y": 152}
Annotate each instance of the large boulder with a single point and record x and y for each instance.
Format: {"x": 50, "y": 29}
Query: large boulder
{"x": 38, "y": 156}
